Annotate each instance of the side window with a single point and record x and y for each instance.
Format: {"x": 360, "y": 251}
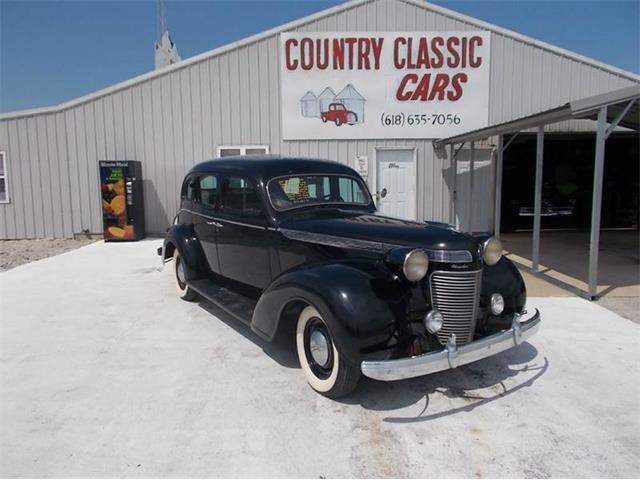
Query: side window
{"x": 350, "y": 191}
{"x": 240, "y": 196}
{"x": 186, "y": 193}
{"x": 208, "y": 189}
{"x": 227, "y": 152}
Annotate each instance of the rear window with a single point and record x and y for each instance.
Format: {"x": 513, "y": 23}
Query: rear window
{"x": 209, "y": 191}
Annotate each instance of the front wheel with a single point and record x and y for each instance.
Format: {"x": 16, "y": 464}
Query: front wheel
{"x": 327, "y": 373}
{"x": 184, "y": 291}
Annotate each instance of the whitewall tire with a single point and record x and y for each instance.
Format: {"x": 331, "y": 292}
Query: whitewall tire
{"x": 323, "y": 366}
{"x": 185, "y": 292}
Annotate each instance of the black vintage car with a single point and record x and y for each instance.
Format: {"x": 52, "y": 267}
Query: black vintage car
{"x": 287, "y": 242}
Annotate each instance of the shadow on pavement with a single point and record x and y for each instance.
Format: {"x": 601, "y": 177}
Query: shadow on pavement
{"x": 282, "y": 350}
{"x": 476, "y": 384}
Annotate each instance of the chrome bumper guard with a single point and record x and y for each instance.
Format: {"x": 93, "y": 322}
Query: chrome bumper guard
{"x": 523, "y": 326}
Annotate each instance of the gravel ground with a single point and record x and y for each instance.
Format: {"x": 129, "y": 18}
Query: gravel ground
{"x": 105, "y": 372}
{"x": 19, "y": 252}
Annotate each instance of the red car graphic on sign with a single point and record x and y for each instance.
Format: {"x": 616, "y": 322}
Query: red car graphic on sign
{"x": 339, "y": 114}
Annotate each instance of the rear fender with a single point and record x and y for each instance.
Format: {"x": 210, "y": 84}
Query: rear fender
{"x": 183, "y": 238}
{"x": 360, "y": 303}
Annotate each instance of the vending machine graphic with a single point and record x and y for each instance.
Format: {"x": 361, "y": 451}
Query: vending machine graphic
{"x": 122, "y": 200}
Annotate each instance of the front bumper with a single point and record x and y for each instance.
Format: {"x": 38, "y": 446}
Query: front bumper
{"x": 453, "y": 356}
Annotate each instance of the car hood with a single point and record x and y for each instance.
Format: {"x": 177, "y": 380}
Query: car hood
{"x": 381, "y": 229}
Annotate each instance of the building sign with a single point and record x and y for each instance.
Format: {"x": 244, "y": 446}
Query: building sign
{"x": 362, "y": 166}
{"x": 383, "y": 85}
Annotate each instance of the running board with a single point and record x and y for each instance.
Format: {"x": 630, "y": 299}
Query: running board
{"x": 231, "y": 302}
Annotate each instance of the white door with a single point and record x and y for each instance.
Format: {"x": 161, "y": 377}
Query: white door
{"x": 396, "y": 186}
{"x": 474, "y": 204}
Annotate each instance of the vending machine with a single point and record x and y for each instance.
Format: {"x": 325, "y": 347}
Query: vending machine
{"x": 122, "y": 200}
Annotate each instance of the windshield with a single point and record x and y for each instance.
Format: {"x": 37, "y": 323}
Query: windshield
{"x": 302, "y": 190}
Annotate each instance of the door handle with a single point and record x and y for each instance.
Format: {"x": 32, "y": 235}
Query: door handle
{"x": 215, "y": 224}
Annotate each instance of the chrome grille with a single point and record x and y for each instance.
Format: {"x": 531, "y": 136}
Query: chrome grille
{"x": 456, "y": 295}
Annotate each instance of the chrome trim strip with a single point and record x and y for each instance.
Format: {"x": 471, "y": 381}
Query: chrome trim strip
{"x": 335, "y": 241}
{"x": 233, "y": 222}
{"x": 453, "y": 356}
{"x": 450, "y": 256}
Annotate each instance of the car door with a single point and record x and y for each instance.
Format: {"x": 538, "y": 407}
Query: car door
{"x": 205, "y": 206}
{"x": 242, "y": 238}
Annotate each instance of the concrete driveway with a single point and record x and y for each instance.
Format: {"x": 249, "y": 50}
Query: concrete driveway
{"x": 106, "y": 373}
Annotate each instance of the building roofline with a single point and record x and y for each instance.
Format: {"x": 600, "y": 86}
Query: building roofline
{"x": 523, "y": 38}
{"x": 584, "y": 108}
{"x": 295, "y": 24}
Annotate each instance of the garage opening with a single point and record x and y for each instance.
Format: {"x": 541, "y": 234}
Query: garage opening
{"x": 570, "y": 201}
{"x": 567, "y": 199}
{"x": 567, "y": 183}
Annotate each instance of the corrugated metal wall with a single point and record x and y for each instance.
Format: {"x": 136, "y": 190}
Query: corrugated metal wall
{"x": 172, "y": 121}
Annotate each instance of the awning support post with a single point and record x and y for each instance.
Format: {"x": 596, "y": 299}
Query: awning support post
{"x": 454, "y": 174}
{"x": 513, "y": 137}
{"x": 598, "y": 171}
{"x": 470, "y": 199}
{"x": 537, "y": 203}
{"x": 498, "y": 187}
{"x": 620, "y": 116}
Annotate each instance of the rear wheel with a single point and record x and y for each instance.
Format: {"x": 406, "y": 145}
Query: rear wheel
{"x": 326, "y": 371}
{"x": 185, "y": 292}
{"x": 338, "y": 121}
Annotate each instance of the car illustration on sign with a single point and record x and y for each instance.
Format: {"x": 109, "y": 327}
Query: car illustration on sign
{"x": 345, "y": 107}
{"x": 295, "y": 247}
{"x": 339, "y": 115}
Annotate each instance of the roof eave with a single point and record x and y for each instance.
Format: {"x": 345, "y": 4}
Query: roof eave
{"x": 298, "y": 23}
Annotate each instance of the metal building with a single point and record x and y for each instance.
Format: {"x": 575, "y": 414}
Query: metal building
{"x": 231, "y": 100}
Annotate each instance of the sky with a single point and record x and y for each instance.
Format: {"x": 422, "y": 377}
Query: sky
{"x": 53, "y": 51}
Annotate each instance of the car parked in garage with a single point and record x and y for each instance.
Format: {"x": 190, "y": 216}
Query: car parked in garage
{"x": 282, "y": 242}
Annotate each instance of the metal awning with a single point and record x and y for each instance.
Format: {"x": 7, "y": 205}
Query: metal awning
{"x": 587, "y": 108}
{"x": 610, "y": 110}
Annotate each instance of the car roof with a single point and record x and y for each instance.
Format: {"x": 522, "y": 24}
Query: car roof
{"x": 266, "y": 167}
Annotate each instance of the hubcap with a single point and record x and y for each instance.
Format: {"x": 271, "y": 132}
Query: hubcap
{"x": 180, "y": 272}
{"x": 319, "y": 346}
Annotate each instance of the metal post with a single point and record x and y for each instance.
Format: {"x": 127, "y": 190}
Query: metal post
{"x": 454, "y": 169}
{"x": 537, "y": 203}
{"x": 597, "y": 203}
{"x": 470, "y": 199}
{"x": 498, "y": 188}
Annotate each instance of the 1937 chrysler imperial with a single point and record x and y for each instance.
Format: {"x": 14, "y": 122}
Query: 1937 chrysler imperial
{"x": 282, "y": 242}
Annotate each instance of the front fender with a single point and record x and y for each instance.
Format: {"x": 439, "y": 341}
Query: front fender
{"x": 505, "y": 279}
{"x": 359, "y": 301}
{"x": 183, "y": 238}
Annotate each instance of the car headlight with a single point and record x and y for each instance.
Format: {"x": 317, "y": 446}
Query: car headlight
{"x": 492, "y": 251}
{"x": 415, "y": 266}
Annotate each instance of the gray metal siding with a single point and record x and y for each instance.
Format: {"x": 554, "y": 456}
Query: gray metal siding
{"x": 174, "y": 120}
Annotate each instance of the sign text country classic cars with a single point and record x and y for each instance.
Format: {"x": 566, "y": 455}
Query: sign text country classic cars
{"x": 383, "y": 85}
